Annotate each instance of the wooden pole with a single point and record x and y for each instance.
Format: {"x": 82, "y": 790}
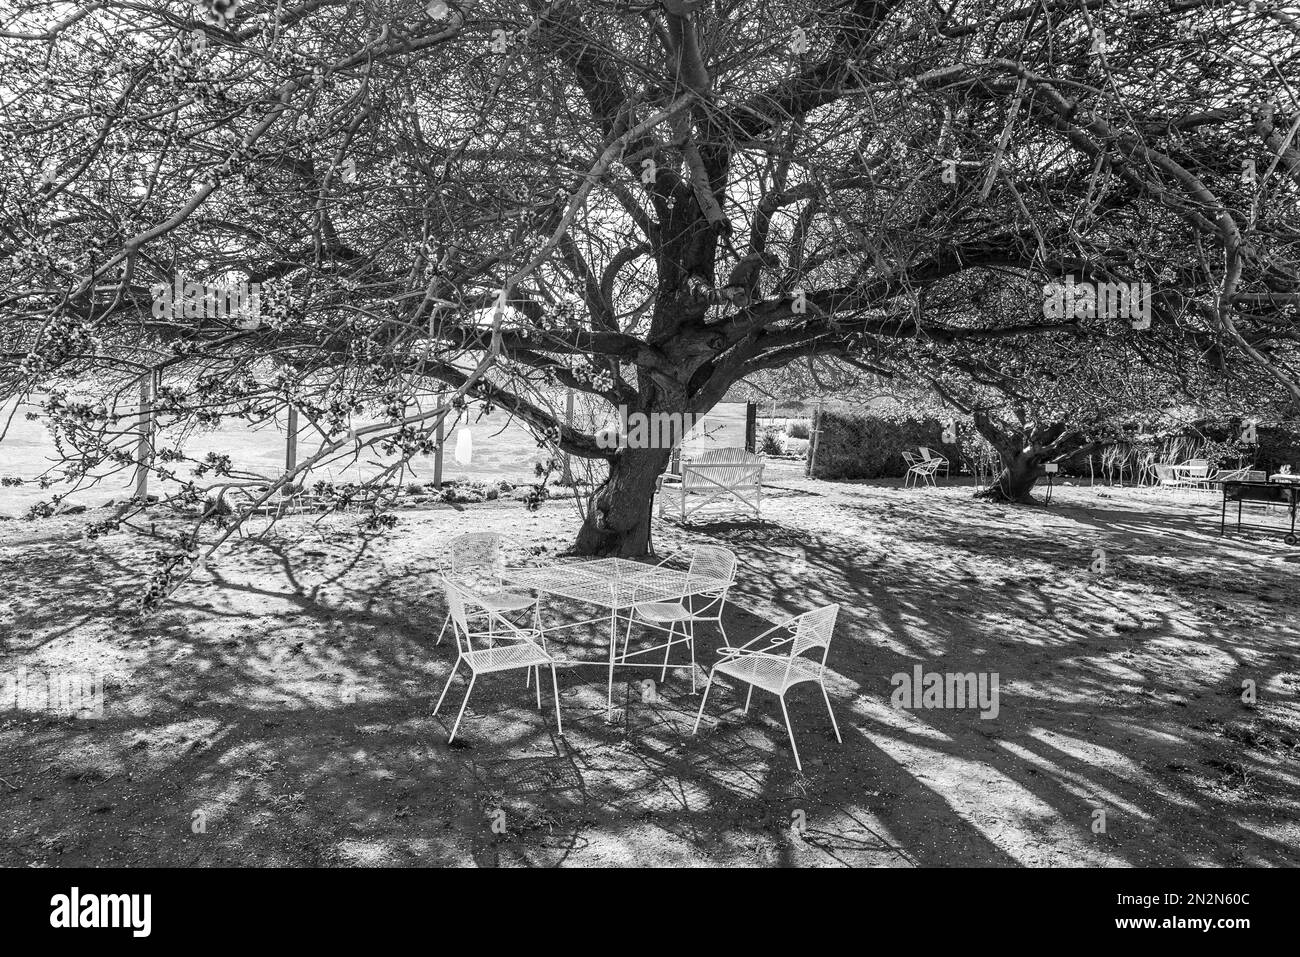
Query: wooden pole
{"x": 816, "y": 439}
{"x": 437, "y": 452}
{"x": 291, "y": 442}
{"x": 144, "y": 444}
{"x": 568, "y": 421}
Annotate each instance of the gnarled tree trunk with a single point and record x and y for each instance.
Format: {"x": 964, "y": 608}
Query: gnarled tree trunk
{"x": 1023, "y": 451}
{"x": 618, "y": 521}
{"x": 1020, "y": 471}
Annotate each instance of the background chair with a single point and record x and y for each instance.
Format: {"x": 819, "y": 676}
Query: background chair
{"x": 778, "y": 673}
{"x": 918, "y": 470}
{"x": 929, "y": 456}
{"x": 1197, "y": 473}
{"x": 507, "y": 647}
{"x": 1167, "y": 476}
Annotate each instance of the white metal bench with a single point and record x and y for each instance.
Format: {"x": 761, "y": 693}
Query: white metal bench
{"x": 731, "y": 477}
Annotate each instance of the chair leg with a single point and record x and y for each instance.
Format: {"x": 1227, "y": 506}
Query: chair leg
{"x": 537, "y": 673}
{"x": 555, "y": 688}
{"x": 748, "y": 695}
{"x": 831, "y": 712}
{"x": 468, "y": 692}
{"x": 668, "y": 649}
{"x": 690, "y": 640}
{"x": 725, "y": 640}
{"x": 628, "y": 635}
{"x": 450, "y": 677}
{"x": 443, "y": 632}
{"x": 703, "y": 700}
{"x": 789, "y": 730}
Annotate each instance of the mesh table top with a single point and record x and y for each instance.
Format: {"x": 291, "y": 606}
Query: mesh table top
{"x": 608, "y": 582}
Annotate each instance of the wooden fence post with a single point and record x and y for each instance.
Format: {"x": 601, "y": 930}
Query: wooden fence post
{"x": 437, "y": 452}
{"x": 291, "y": 442}
{"x": 816, "y": 440}
{"x": 568, "y": 421}
{"x": 144, "y": 444}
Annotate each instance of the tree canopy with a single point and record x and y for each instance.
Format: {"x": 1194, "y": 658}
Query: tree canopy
{"x": 644, "y": 202}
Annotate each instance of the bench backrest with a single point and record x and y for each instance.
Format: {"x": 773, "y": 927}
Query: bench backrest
{"x": 728, "y": 468}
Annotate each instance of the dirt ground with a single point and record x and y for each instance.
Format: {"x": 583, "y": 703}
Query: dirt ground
{"x": 279, "y": 710}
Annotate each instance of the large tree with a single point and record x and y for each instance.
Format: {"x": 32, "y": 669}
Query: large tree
{"x": 645, "y": 202}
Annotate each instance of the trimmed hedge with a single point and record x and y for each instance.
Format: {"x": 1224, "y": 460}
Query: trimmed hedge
{"x": 1277, "y": 447}
{"x": 861, "y": 447}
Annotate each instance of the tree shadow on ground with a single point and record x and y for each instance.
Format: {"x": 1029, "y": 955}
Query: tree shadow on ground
{"x": 279, "y": 712}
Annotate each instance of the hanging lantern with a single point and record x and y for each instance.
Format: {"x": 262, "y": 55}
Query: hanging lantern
{"x": 464, "y": 446}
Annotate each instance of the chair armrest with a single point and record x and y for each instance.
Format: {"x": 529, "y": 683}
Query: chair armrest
{"x": 735, "y": 654}
{"x": 512, "y": 631}
{"x": 788, "y": 624}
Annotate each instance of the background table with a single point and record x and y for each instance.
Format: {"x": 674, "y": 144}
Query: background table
{"x": 613, "y": 583}
{"x": 1276, "y": 494}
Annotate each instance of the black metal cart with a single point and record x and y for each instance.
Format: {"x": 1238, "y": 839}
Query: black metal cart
{"x": 1277, "y": 494}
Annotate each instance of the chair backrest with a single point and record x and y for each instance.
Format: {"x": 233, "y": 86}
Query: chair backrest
{"x": 1198, "y": 468}
{"x": 926, "y": 453}
{"x": 475, "y": 552}
{"x": 909, "y": 458}
{"x": 730, "y": 455}
{"x": 813, "y": 629}
{"x": 1164, "y": 472}
{"x": 712, "y": 563}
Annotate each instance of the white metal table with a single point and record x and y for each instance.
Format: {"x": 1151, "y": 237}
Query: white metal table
{"x": 608, "y": 583}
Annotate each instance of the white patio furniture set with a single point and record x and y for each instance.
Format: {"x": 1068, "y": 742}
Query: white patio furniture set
{"x": 1194, "y": 475}
{"x": 670, "y": 601}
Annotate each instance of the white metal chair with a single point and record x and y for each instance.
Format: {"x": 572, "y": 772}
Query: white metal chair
{"x": 919, "y": 470}
{"x": 778, "y": 673}
{"x": 474, "y": 561}
{"x": 710, "y": 566}
{"x": 1168, "y": 476}
{"x": 1197, "y": 472}
{"x": 929, "y": 456}
{"x": 504, "y": 649}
